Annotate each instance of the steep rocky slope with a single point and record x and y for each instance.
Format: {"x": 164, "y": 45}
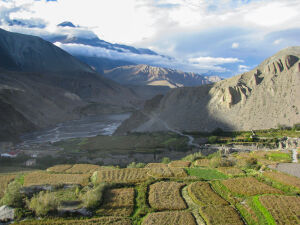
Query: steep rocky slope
{"x": 262, "y": 98}
{"x": 41, "y": 85}
{"x": 156, "y": 76}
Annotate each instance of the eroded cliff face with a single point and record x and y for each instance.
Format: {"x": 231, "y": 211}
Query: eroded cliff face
{"x": 259, "y": 99}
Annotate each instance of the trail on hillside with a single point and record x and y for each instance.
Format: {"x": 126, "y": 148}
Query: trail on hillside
{"x": 193, "y": 207}
{"x": 191, "y": 139}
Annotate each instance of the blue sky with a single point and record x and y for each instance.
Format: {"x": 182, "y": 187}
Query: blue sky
{"x": 223, "y": 37}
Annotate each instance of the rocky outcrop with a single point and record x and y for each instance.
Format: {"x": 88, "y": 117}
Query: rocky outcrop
{"x": 6, "y": 213}
{"x": 289, "y": 143}
{"x": 157, "y": 76}
{"x": 259, "y": 99}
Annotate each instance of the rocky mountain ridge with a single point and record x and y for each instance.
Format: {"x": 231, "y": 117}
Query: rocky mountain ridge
{"x": 156, "y": 76}
{"x": 259, "y": 99}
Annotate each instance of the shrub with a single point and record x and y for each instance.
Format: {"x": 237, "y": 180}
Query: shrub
{"x": 43, "y": 203}
{"x": 13, "y": 196}
{"x": 193, "y": 157}
{"x": 136, "y": 165}
{"x": 165, "y": 160}
{"x": 212, "y": 139}
{"x": 251, "y": 163}
{"x": 296, "y": 127}
{"x": 93, "y": 197}
{"x": 221, "y": 162}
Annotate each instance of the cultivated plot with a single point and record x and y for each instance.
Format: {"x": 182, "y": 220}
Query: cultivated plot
{"x": 284, "y": 209}
{"x": 249, "y": 186}
{"x": 167, "y": 218}
{"x": 100, "y": 220}
{"x": 128, "y": 175}
{"x": 203, "y": 195}
{"x": 220, "y": 215}
{"x": 117, "y": 202}
{"x": 44, "y": 178}
{"x": 4, "y": 181}
{"x": 166, "y": 196}
{"x": 283, "y": 178}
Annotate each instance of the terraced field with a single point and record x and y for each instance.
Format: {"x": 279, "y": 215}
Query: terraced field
{"x": 100, "y": 220}
{"x": 249, "y": 186}
{"x": 231, "y": 171}
{"x": 4, "y": 181}
{"x": 76, "y": 168}
{"x": 128, "y": 175}
{"x": 283, "y": 178}
{"x": 166, "y": 196}
{"x": 179, "y": 163}
{"x": 117, "y": 202}
{"x": 165, "y": 172}
{"x": 168, "y": 218}
{"x": 220, "y": 215}
{"x": 44, "y": 178}
{"x": 178, "y": 193}
{"x": 202, "y": 194}
{"x": 284, "y": 209}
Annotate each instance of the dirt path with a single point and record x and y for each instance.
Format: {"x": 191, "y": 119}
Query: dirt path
{"x": 193, "y": 207}
{"x": 191, "y": 139}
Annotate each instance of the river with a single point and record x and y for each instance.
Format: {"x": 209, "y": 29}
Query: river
{"x": 86, "y": 127}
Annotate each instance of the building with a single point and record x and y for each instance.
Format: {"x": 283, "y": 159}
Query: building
{"x": 10, "y": 154}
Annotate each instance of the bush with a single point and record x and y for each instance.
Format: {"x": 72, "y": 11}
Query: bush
{"x": 296, "y": 127}
{"x": 212, "y": 139}
{"x": 221, "y": 162}
{"x": 43, "y": 203}
{"x": 165, "y": 160}
{"x": 251, "y": 163}
{"x": 136, "y": 165}
{"x": 193, "y": 157}
{"x": 93, "y": 197}
{"x": 13, "y": 196}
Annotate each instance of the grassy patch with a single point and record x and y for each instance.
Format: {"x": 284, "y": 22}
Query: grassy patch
{"x": 258, "y": 207}
{"x": 142, "y": 207}
{"x": 206, "y": 174}
{"x": 280, "y": 157}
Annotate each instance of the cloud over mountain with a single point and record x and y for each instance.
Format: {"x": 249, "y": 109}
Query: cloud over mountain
{"x": 183, "y": 29}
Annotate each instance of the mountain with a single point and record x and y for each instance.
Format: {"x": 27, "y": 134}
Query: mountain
{"x": 259, "y": 99}
{"x": 41, "y": 85}
{"x": 66, "y": 24}
{"x": 155, "y": 76}
{"x": 28, "y": 53}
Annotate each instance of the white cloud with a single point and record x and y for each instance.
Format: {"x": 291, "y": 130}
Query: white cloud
{"x": 277, "y": 42}
{"x": 214, "y": 61}
{"x": 235, "y": 45}
{"x": 200, "y": 64}
{"x": 244, "y": 68}
{"x": 272, "y": 14}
